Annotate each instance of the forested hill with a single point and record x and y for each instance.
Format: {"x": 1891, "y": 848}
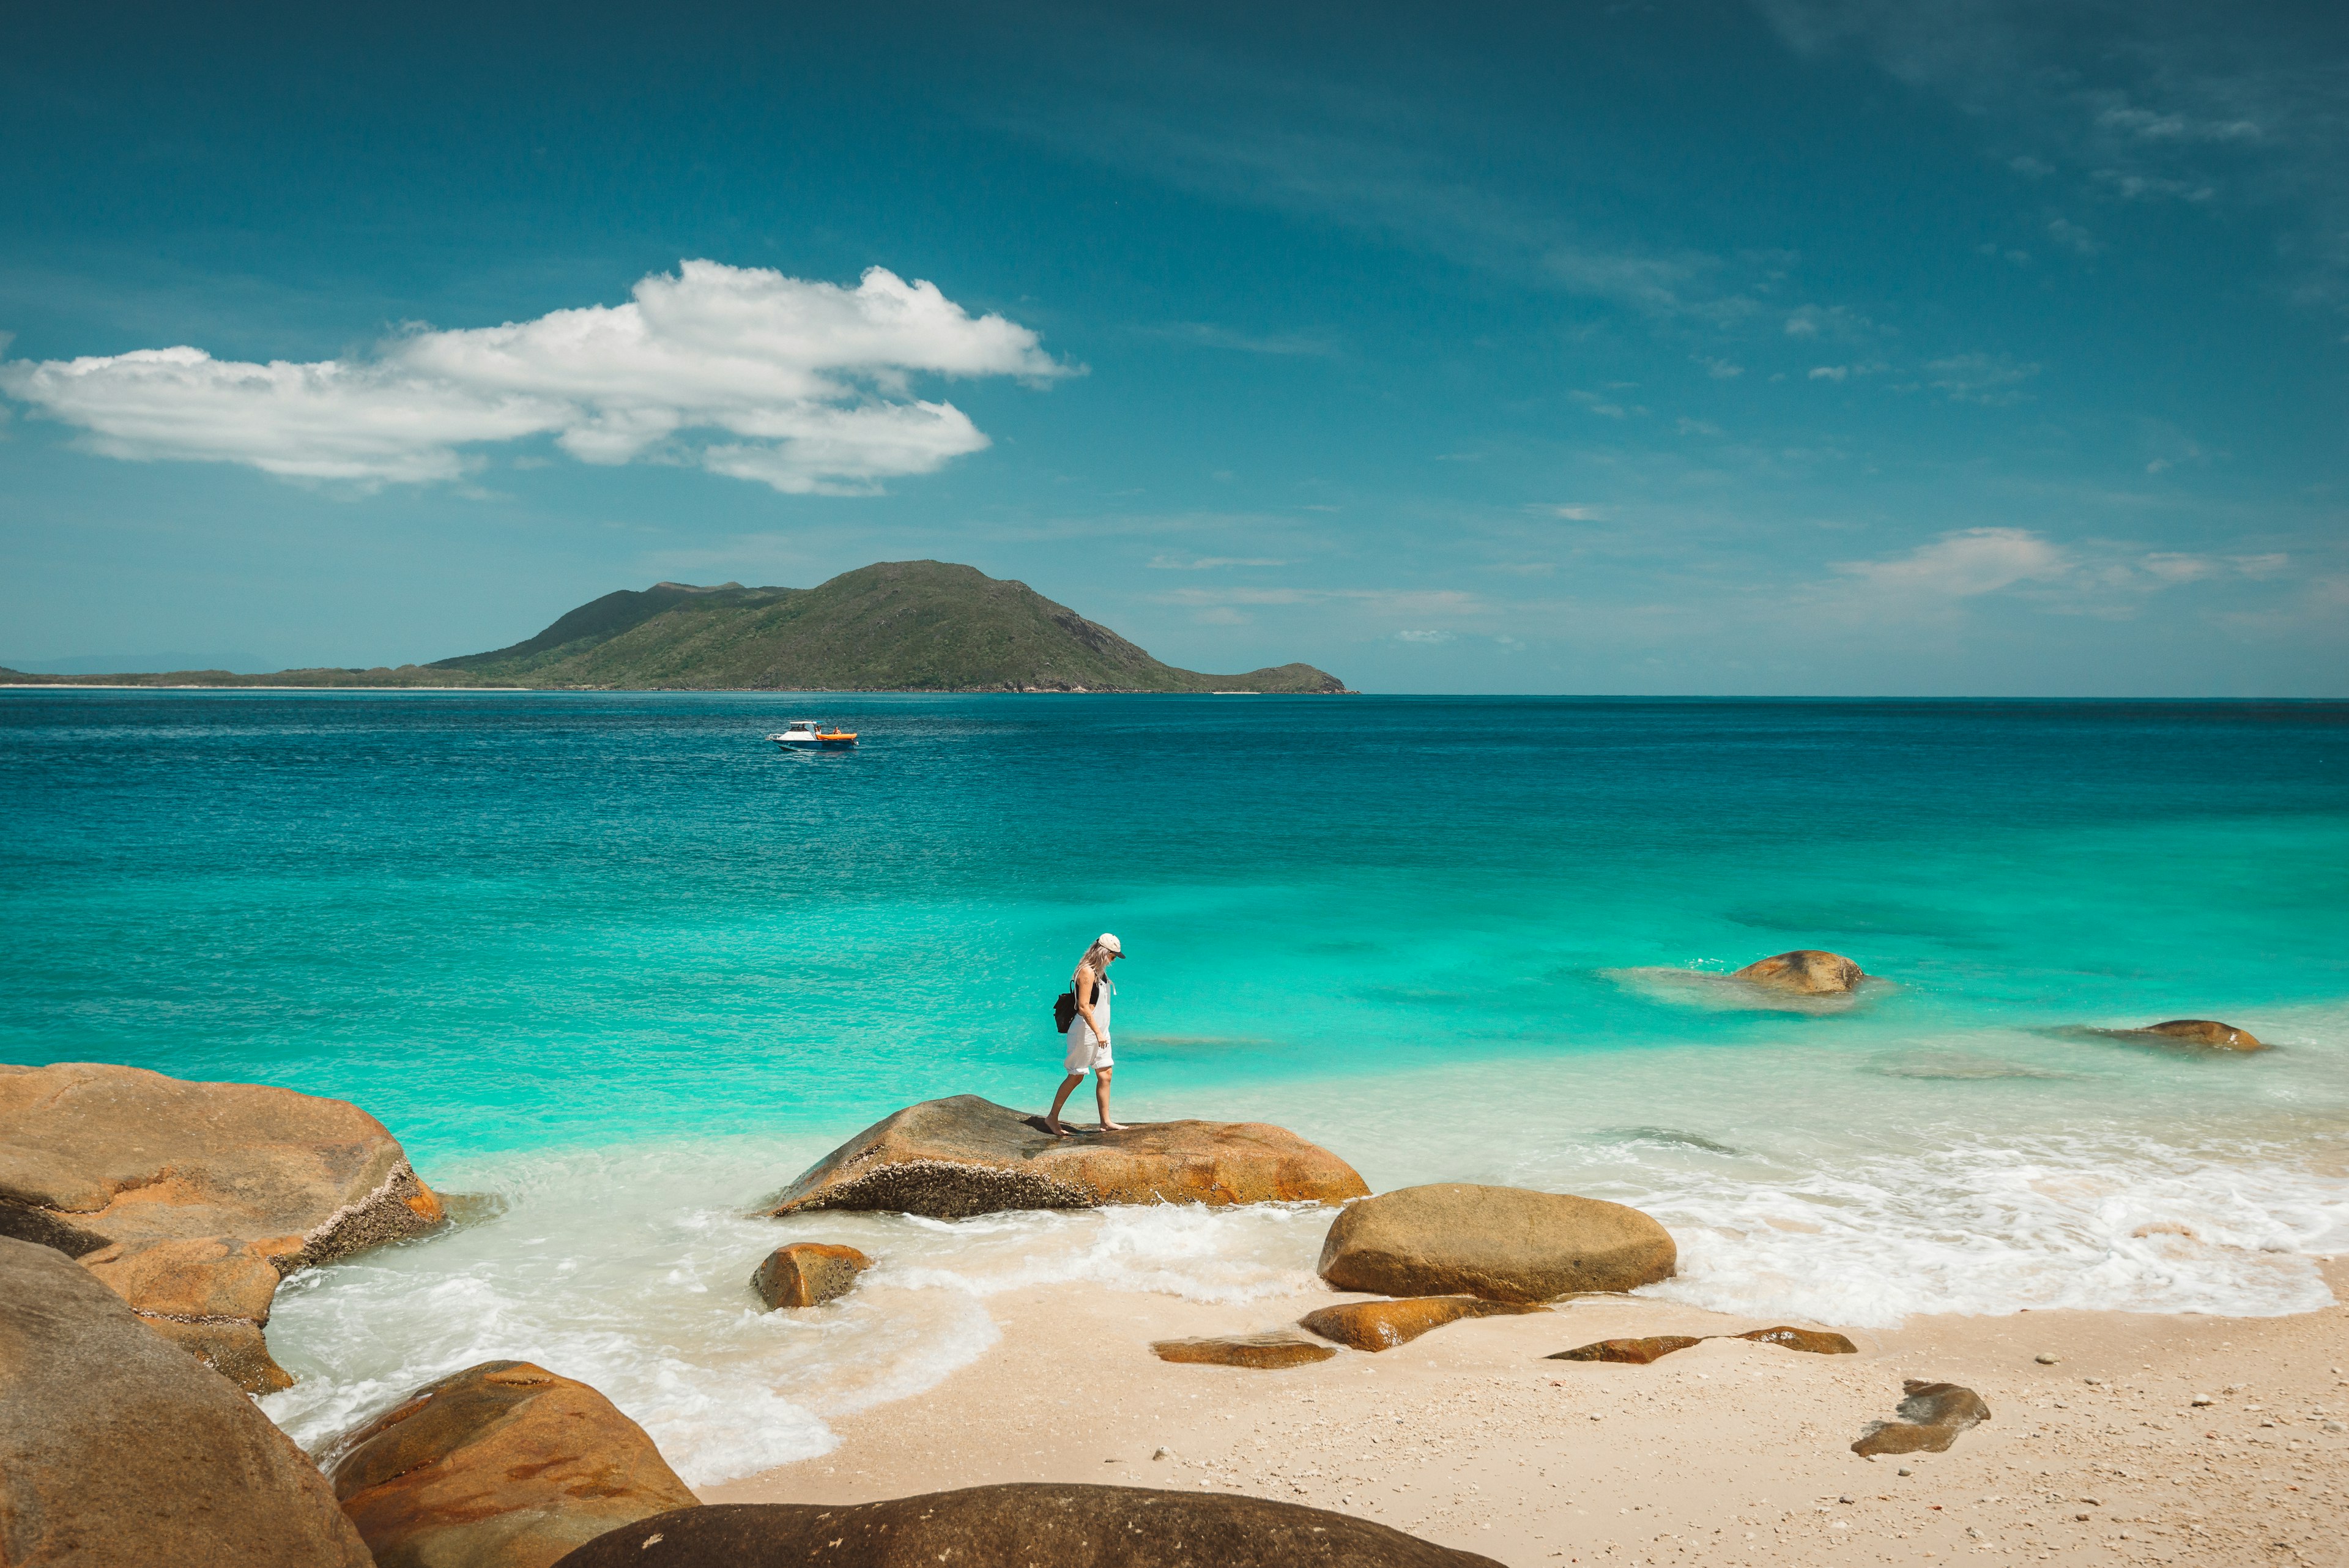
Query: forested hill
{"x": 896, "y": 625}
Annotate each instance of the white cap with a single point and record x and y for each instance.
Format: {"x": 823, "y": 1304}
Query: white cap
{"x": 1111, "y": 943}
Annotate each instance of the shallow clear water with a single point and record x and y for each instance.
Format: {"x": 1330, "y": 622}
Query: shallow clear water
{"x": 614, "y": 959}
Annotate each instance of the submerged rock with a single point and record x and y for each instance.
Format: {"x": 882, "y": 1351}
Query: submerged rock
{"x": 118, "y": 1451}
{"x": 192, "y": 1200}
{"x": 1499, "y": 1243}
{"x": 1636, "y": 1352}
{"x": 503, "y": 1465}
{"x": 807, "y": 1273}
{"x": 1930, "y": 1421}
{"x": 1641, "y": 1352}
{"x": 1806, "y": 972}
{"x": 2204, "y": 1032}
{"x": 951, "y": 1159}
{"x": 1264, "y": 1352}
{"x": 1818, "y": 1342}
{"x": 1382, "y": 1326}
{"x": 1013, "y": 1526}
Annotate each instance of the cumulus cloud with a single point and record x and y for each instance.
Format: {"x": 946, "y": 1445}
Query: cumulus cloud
{"x": 804, "y": 386}
{"x": 1991, "y": 379}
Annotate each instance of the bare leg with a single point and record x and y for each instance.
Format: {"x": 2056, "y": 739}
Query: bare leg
{"x": 1067, "y": 1087}
{"x": 1100, "y": 1095}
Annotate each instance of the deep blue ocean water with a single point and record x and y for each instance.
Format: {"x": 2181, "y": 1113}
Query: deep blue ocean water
{"x": 543, "y": 934}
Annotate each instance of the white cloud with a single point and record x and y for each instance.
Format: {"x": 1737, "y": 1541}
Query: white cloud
{"x": 1426, "y": 636}
{"x": 1964, "y": 564}
{"x": 1991, "y": 379}
{"x": 810, "y": 379}
{"x": 1829, "y": 372}
{"x": 1724, "y": 370}
{"x": 2066, "y": 233}
{"x": 1575, "y": 513}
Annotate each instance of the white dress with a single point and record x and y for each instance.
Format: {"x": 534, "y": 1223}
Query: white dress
{"x": 1085, "y": 1051}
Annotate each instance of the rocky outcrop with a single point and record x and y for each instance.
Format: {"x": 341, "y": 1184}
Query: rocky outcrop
{"x": 1930, "y": 1419}
{"x": 192, "y": 1200}
{"x": 1499, "y": 1243}
{"x": 1655, "y": 1347}
{"x": 1264, "y": 1352}
{"x": 1806, "y": 972}
{"x": 1382, "y": 1326}
{"x": 1635, "y": 1352}
{"x": 503, "y": 1465}
{"x": 2204, "y": 1031}
{"x": 1065, "y": 1525}
{"x": 955, "y": 1158}
{"x": 118, "y": 1451}
{"x": 807, "y": 1273}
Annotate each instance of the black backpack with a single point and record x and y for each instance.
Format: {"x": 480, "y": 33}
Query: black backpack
{"x": 1064, "y": 1007}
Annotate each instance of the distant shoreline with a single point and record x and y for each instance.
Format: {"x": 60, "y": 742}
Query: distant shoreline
{"x": 773, "y": 690}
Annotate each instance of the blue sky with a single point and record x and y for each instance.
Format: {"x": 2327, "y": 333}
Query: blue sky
{"x": 1800, "y": 346}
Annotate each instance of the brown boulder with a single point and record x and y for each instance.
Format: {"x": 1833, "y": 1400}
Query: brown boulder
{"x": 2204, "y": 1032}
{"x": 807, "y": 1273}
{"x": 1500, "y": 1244}
{"x": 1265, "y": 1352}
{"x": 1635, "y": 1352}
{"x": 1382, "y": 1325}
{"x": 192, "y": 1200}
{"x": 1806, "y": 972}
{"x": 118, "y": 1451}
{"x": 1014, "y": 1526}
{"x": 503, "y": 1465}
{"x": 1930, "y": 1419}
{"x": 955, "y": 1158}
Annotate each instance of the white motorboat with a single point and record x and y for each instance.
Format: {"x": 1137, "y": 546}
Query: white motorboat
{"x": 807, "y": 733}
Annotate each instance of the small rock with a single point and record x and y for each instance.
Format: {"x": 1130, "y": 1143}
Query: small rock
{"x": 807, "y": 1273}
{"x": 2206, "y": 1032}
{"x": 2202, "y": 1400}
{"x": 1163, "y": 1454}
{"x": 1844, "y": 1499}
{"x": 2047, "y": 1360}
{"x": 2094, "y": 1501}
{"x": 1382, "y": 1325}
{"x": 1636, "y": 1352}
{"x": 1806, "y": 972}
{"x": 1904, "y": 1470}
{"x": 2330, "y": 1427}
{"x": 1264, "y": 1352}
{"x": 1931, "y": 1418}
{"x": 2093, "y": 1382}
{"x": 2081, "y": 1517}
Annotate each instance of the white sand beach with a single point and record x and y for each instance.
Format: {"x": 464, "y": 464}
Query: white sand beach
{"x": 1727, "y": 1453}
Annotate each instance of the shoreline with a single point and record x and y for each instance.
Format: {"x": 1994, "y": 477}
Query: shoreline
{"x": 1727, "y": 1452}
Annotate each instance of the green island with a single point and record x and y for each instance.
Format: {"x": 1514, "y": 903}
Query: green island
{"x": 894, "y": 626}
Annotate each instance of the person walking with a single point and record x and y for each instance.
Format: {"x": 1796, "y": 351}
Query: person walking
{"x": 1089, "y": 1032}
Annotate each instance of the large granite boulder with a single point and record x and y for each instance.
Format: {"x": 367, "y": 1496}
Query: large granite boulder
{"x": 1499, "y": 1243}
{"x": 1806, "y": 972}
{"x": 1017, "y": 1525}
{"x": 503, "y": 1465}
{"x": 193, "y": 1200}
{"x": 118, "y": 1451}
{"x": 955, "y": 1158}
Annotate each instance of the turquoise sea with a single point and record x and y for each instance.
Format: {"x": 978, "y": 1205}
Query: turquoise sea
{"x": 615, "y": 961}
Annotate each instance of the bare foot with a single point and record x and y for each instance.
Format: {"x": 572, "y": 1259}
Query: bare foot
{"x": 1112, "y": 1126}
{"x": 1052, "y": 1124}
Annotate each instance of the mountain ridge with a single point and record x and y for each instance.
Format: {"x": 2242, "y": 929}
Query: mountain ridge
{"x": 894, "y": 626}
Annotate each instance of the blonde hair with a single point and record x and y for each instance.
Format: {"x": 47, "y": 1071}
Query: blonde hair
{"x": 1093, "y": 955}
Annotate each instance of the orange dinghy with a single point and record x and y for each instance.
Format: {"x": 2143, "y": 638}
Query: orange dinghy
{"x": 804, "y": 733}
